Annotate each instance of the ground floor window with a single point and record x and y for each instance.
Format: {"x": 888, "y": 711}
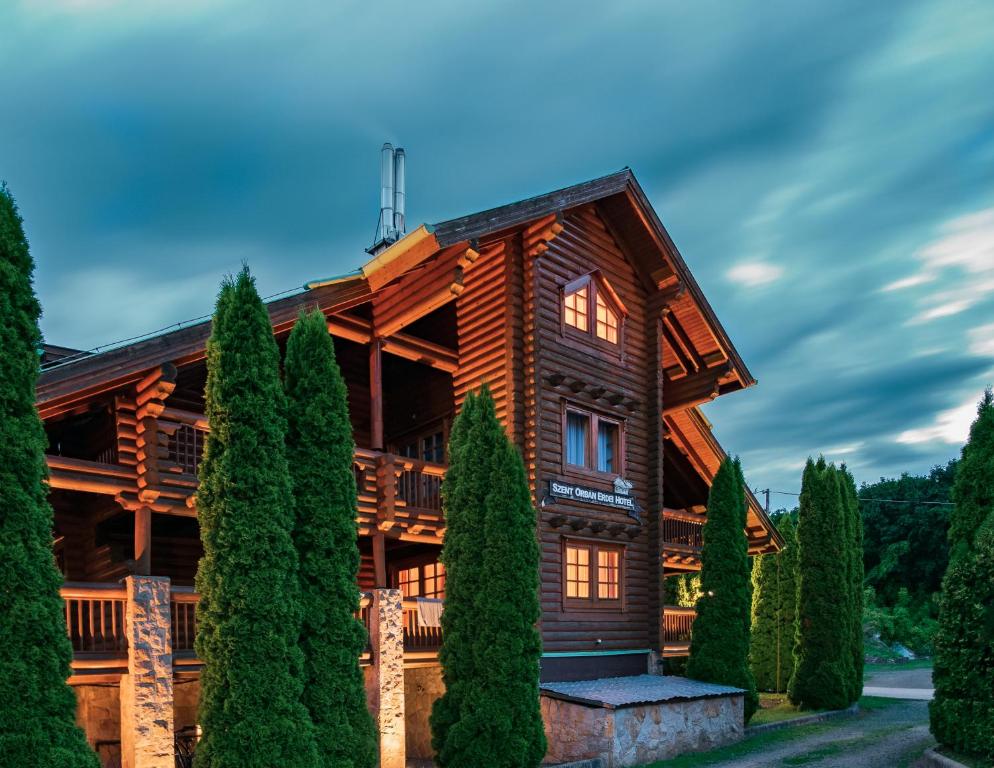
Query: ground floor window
{"x": 423, "y": 580}
{"x": 592, "y": 574}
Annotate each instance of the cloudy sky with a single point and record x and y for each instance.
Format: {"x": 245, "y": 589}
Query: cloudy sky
{"x": 827, "y": 170}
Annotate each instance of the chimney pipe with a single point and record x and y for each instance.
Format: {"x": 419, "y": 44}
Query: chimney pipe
{"x": 386, "y": 192}
{"x": 399, "y": 194}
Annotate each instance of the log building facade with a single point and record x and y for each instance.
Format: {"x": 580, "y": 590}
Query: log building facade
{"x": 598, "y": 345}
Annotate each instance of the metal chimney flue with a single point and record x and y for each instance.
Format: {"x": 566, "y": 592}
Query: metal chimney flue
{"x": 399, "y": 192}
{"x": 386, "y": 193}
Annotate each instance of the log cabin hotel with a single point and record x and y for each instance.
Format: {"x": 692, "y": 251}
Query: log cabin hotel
{"x": 598, "y": 345}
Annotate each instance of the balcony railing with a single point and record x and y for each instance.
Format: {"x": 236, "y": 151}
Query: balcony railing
{"x": 682, "y": 533}
{"x": 678, "y": 624}
{"x": 95, "y": 619}
{"x": 95, "y": 623}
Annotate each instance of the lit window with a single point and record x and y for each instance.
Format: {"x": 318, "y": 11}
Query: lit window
{"x": 434, "y": 578}
{"x": 607, "y": 322}
{"x": 607, "y": 574}
{"x": 607, "y": 446}
{"x": 577, "y": 436}
{"x": 577, "y": 572}
{"x": 409, "y": 582}
{"x": 576, "y": 309}
{"x": 592, "y": 575}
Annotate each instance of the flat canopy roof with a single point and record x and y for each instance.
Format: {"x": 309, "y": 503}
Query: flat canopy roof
{"x": 618, "y": 692}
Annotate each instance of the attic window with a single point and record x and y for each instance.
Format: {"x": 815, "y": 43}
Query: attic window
{"x": 591, "y": 291}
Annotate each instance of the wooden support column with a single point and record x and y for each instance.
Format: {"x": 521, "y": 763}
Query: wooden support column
{"x": 150, "y": 395}
{"x": 380, "y": 560}
{"x": 143, "y": 541}
{"x": 376, "y": 394}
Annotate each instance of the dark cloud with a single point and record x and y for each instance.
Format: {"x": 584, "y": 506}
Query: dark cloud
{"x": 154, "y": 149}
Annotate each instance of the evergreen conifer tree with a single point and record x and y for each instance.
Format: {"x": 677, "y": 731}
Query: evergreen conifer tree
{"x": 719, "y": 648}
{"x": 823, "y": 658}
{"x": 765, "y": 621}
{"x": 249, "y": 614}
{"x": 854, "y": 529}
{"x": 788, "y": 599}
{"x": 962, "y": 712}
{"x": 320, "y": 455}
{"x": 490, "y": 712}
{"x": 37, "y": 707}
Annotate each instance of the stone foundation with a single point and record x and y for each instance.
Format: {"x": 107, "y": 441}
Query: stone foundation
{"x": 98, "y": 713}
{"x": 639, "y": 734}
{"x": 422, "y": 685}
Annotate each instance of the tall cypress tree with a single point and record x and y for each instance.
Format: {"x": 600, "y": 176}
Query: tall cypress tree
{"x": 823, "y": 659}
{"x": 249, "y": 615}
{"x": 490, "y": 712}
{"x": 854, "y": 529}
{"x": 37, "y": 708}
{"x": 320, "y": 454}
{"x": 962, "y": 712}
{"x": 765, "y": 621}
{"x": 719, "y": 647}
{"x": 788, "y": 599}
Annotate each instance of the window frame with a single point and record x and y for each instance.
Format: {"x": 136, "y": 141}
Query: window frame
{"x": 591, "y": 453}
{"x": 420, "y": 564}
{"x": 597, "y": 289}
{"x": 594, "y": 602}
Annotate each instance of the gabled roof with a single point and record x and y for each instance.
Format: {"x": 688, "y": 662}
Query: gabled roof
{"x": 80, "y": 377}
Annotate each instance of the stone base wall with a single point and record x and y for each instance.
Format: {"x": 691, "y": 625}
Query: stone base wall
{"x": 98, "y": 712}
{"x": 422, "y": 685}
{"x": 634, "y": 736}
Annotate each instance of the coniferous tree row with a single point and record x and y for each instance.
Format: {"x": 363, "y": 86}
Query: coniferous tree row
{"x": 719, "y": 647}
{"x": 320, "y": 452}
{"x": 855, "y": 532}
{"x": 489, "y": 714}
{"x": 37, "y": 708}
{"x": 823, "y": 671}
{"x": 962, "y": 712}
{"x": 249, "y": 615}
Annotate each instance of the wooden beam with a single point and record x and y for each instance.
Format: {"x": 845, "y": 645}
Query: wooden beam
{"x": 380, "y": 560}
{"x": 417, "y": 304}
{"x": 693, "y": 390}
{"x": 376, "y": 395}
{"x": 89, "y": 476}
{"x": 143, "y": 541}
{"x": 399, "y": 344}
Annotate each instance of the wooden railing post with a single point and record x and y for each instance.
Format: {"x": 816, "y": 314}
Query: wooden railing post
{"x": 386, "y": 491}
{"x": 147, "y": 688}
{"x": 386, "y": 633}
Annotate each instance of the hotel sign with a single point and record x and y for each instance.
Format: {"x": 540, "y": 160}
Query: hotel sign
{"x": 619, "y": 498}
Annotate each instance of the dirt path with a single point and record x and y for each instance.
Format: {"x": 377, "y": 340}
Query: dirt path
{"x": 890, "y": 737}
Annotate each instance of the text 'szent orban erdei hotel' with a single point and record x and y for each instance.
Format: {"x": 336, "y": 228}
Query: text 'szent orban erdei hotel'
{"x": 598, "y": 345}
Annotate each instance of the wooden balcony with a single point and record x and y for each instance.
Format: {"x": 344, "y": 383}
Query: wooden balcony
{"x": 397, "y": 496}
{"x": 678, "y": 623}
{"x": 95, "y": 616}
{"x": 682, "y": 539}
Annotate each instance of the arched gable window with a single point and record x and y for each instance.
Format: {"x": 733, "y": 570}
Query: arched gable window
{"x": 590, "y": 306}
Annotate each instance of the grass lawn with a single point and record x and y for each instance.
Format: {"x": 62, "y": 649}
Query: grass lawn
{"x": 774, "y": 707}
{"x": 757, "y": 743}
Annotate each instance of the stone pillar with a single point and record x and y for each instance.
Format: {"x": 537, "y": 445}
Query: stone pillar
{"x": 147, "y": 689}
{"x": 386, "y": 634}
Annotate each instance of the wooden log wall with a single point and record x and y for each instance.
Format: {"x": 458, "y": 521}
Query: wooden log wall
{"x": 622, "y": 386}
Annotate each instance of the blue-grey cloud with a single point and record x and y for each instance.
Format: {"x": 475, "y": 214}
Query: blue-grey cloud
{"x": 152, "y": 149}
